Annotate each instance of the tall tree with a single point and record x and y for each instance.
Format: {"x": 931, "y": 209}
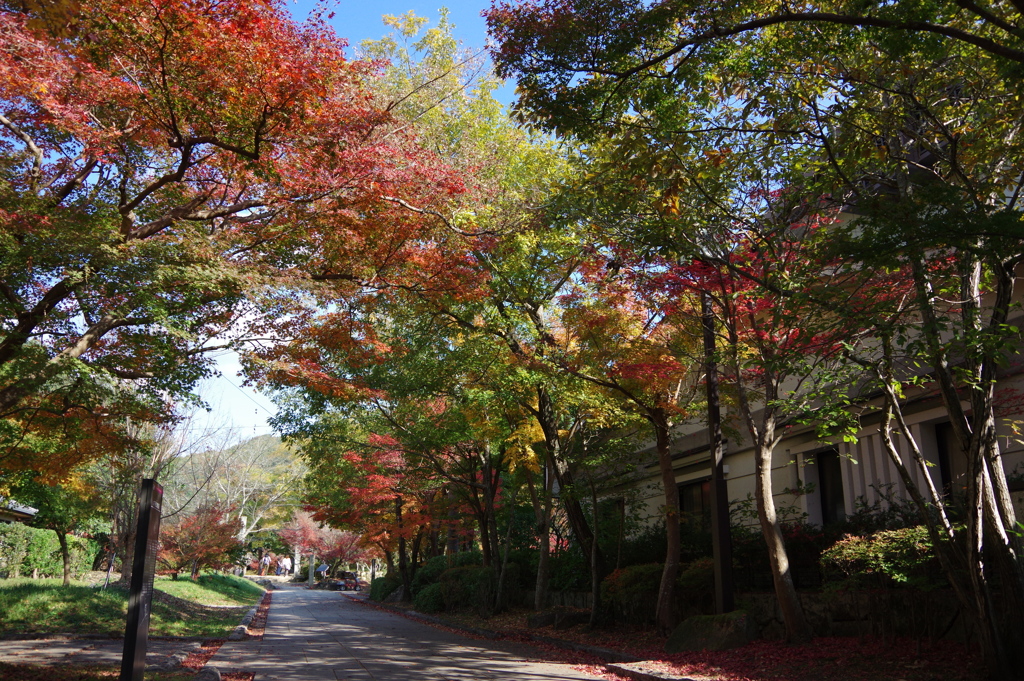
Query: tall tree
{"x": 639, "y": 346}
{"x": 206, "y": 537}
{"x": 65, "y": 508}
{"x": 161, "y": 162}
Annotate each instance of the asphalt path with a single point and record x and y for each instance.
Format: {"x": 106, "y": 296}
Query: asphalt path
{"x": 314, "y": 635}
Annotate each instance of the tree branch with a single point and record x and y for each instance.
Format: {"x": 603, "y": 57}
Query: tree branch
{"x": 37, "y": 153}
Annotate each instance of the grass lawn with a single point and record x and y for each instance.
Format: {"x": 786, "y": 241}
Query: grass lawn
{"x": 212, "y": 589}
{"x": 38, "y": 606}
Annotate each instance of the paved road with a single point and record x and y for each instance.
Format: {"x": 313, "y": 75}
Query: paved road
{"x": 81, "y": 652}
{"x": 323, "y": 635}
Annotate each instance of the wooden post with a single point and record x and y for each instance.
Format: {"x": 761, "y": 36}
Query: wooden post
{"x": 140, "y": 595}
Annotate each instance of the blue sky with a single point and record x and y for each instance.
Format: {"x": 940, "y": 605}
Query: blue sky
{"x": 242, "y": 412}
{"x": 358, "y": 21}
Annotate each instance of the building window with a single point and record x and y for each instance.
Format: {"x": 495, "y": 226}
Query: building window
{"x": 830, "y": 487}
{"x": 953, "y": 463}
{"x": 695, "y": 503}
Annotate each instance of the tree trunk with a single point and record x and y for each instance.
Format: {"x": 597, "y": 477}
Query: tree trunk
{"x": 797, "y": 629}
{"x": 403, "y": 561}
{"x": 417, "y": 541}
{"x": 491, "y": 477}
{"x": 596, "y": 572}
{"x": 666, "y": 611}
{"x": 570, "y": 502}
{"x": 988, "y": 496}
{"x": 65, "y": 554}
{"x": 542, "y": 511}
{"x": 452, "y": 538}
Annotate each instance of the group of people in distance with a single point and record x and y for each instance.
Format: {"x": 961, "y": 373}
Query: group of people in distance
{"x": 282, "y": 565}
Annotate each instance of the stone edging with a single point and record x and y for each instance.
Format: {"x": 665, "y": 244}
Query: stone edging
{"x": 603, "y": 653}
{"x": 175, "y": 659}
{"x": 638, "y": 673}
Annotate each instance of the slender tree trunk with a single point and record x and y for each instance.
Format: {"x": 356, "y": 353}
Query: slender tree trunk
{"x": 65, "y": 555}
{"x": 763, "y": 436}
{"x": 573, "y": 509}
{"x": 542, "y": 506}
{"x": 485, "y": 538}
{"x": 797, "y": 629}
{"x": 490, "y": 474}
{"x": 988, "y": 496}
{"x": 403, "y": 560}
{"x": 417, "y": 541}
{"x": 666, "y": 611}
{"x": 452, "y": 538}
{"x": 501, "y": 601}
{"x": 595, "y": 569}
{"x": 721, "y": 537}
{"x": 621, "y": 534}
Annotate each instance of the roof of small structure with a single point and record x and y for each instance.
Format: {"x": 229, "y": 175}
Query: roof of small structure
{"x": 18, "y": 509}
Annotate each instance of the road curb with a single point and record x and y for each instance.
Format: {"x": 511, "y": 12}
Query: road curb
{"x": 636, "y": 672}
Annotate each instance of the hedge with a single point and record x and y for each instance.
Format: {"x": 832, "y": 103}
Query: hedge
{"x": 25, "y": 549}
{"x": 429, "y": 573}
{"x": 632, "y": 592}
{"x": 430, "y": 599}
{"x": 382, "y": 587}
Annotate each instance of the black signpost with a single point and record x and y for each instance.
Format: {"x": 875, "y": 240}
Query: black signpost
{"x": 140, "y": 597}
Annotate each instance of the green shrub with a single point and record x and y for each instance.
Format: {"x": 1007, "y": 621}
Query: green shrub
{"x": 430, "y": 599}
{"x": 695, "y": 588}
{"x": 14, "y": 542}
{"x": 429, "y": 573}
{"x": 698, "y": 575}
{"x": 894, "y": 557}
{"x": 24, "y": 549}
{"x": 382, "y": 587}
{"x": 468, "y": 558}
{"x": 469, "y": 587}
{"x": 632, "y": 592}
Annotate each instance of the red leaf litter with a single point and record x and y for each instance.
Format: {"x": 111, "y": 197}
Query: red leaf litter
{"x": 823, "y": 659}
{"x": 258, "y": 626}
{"x": 198, "y": 659}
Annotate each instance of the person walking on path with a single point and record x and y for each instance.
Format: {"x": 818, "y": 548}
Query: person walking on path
{"x": 285, "y": 566}
{"x": 264, "y": 564}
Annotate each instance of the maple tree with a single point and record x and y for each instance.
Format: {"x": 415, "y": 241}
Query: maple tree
{"x": 207, "y": 537}
{"x": 638, "y": 345}
{"x": 303, "y": 534}
{"x": 162, "y": 162}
